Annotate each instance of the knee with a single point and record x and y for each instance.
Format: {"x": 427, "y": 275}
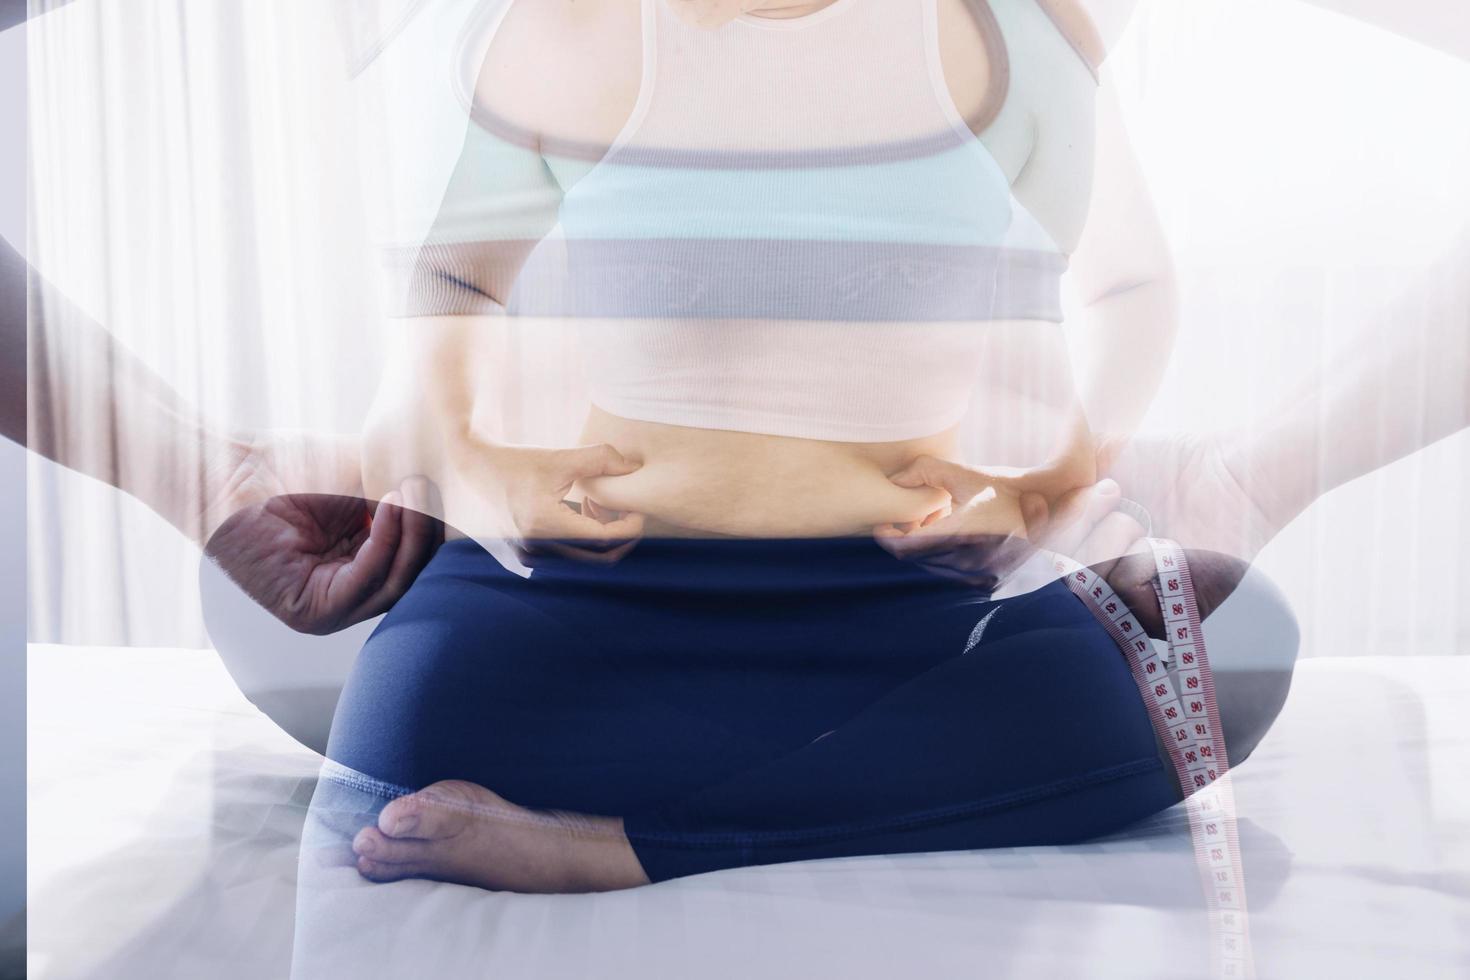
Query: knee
{"x": 450, "y": 674}
{"x": 1253, "y": 640}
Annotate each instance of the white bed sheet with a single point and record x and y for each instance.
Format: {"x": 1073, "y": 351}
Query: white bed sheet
{"x": 165, "y": 813}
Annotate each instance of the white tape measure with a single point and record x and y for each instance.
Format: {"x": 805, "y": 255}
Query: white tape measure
{"x": 1180, "y": 695}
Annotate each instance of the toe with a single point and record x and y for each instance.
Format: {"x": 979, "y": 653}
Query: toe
{"x": 372, "y": 844}
{"x": 381, "y": 872}
{"x": 439, "y": 811}
{"x": 404, "y": 817}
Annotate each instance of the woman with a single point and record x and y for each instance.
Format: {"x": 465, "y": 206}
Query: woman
{"x": 783, "y": 622}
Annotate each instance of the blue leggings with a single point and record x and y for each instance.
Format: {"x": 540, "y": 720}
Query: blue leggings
{"x": 744, "y": 701}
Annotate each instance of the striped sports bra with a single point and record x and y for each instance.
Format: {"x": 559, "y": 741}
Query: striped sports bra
{"x": 797, "y": 231}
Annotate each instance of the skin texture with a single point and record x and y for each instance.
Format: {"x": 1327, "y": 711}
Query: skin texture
{"x": 524, "y": 491}
{"x": 963, "y": 521}
{"x": 709, "y": 481}
{"x": 322, "y": 562}
{"x": 458, "y": 831}
{"x": 283, "y": 514}
{"x": 720, "y": 481}
{"x": 329, "y": 569}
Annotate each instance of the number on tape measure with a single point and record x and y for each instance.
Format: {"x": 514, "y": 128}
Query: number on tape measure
{"x": 1196, "y": 747}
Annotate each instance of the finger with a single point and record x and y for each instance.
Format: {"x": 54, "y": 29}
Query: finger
{"x": 932, "y": 517}
{"x": 929, "y": 542}
{"x": 899, "y": 529}
{"x": 610, "y": 533}
{"x": 904, "y": 542}
{"x": 368, "y": 568}
{"x": 1035, "y": 513}
{"x": 1067, "y": 511}
{"x": 420, "y": 537}
{"x": 595, "y": 551}
{"x": 599, "y": 513}
{"x": 593, "y": 556}
{"x": 931, "y": 471}
{"x": 1114, "y": 536}
{"x": 1078, "y": 513}
{"x": 599, "y": 460}
{"x": 567, "y": 529}
{"x": 627, "y": 529}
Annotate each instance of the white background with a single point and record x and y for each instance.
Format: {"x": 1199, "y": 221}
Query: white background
{"x": 208, "y": 185}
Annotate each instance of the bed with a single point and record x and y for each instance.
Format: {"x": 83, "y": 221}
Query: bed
{"x": 165, "y": 812}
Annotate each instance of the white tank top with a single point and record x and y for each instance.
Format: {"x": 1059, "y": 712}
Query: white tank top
{"x": 797, "y": 232}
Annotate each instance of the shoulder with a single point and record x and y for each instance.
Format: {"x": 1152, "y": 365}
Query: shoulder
{"x": 554, "y": 67}
{"x": 1109, "y": 18}
{"x": 1092, "y": 27}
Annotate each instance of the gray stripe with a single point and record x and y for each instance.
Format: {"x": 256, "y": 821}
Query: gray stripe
{"x": 442, "y": 280}
{"x": 723, "y": 279}
{"x": 885, "y": 151}
{"x": 806, "y": 280}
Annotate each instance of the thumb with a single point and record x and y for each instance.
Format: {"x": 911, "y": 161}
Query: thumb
{"x": 1036, "y": 514}
{"x": 600, "y": 460}
{"x": 931, "y": 471}
{"x": 1077, "y": 513}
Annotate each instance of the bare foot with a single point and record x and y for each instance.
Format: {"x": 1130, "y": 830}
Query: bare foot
{"x": 458, "y": 831}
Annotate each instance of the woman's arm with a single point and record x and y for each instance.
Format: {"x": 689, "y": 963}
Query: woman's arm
{"x": 86, "y": 402}
{"x": 448, "y": 296}
{"x": 1123, "y": 275}
{"x": 1403, "y": 384}
{"x": 1123, "y": 272}
{"x": 448, "y": 328}
{"x": 281, "y": 513}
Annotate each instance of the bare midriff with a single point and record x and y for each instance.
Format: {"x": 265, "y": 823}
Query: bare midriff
{"x": 713, "y": 482}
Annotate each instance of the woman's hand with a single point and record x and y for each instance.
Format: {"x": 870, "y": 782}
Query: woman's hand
{"x": 998, "y": 517}
{"x": 980, "y": 538}
{"x": 1204, "y": 491}
{"x": 289, "y": 525}
{"x": 1192, "y": 493}
{"x": 517, "y": 493}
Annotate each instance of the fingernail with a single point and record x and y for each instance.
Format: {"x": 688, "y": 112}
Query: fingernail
{"x": 365, "y": 845}
{"x": 405, "y": 825}
{"x": 393, "y": 498}
{"x": 1107, "y": 487}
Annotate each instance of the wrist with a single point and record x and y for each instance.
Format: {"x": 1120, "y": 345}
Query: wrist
{"x": 466, "y": 444}
{"x": 207, "y": 477}
{"x": 483, "y": 465}
{"x": 1275, "y": 469}
{"x": 237, "y": 470}
{"x": 1075, "y": 462}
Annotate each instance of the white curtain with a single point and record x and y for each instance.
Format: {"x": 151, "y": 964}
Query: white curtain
{"x": 210, "y": 184}
{"x": 1308, "y": 169}
{"x": 196, "y": 190}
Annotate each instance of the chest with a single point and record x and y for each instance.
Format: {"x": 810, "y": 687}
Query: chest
{"x": 945, "y": 123}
